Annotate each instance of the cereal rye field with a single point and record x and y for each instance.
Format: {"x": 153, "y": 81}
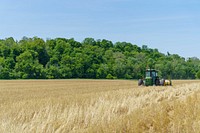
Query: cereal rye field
{"x": 79, "y": 106}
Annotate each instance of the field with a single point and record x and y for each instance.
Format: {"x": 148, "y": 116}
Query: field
{"x": 98, "y": 106}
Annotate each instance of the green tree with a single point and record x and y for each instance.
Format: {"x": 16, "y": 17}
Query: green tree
{"x": 89, "y": 41}
{"x": 67, "y": 58}
{"x": 198, "y": 74}
{"x": 28, "y": 66}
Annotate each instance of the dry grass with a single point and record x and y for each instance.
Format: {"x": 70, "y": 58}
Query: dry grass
{"x": 98, "y": 106}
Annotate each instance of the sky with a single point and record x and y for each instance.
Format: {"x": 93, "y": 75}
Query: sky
{"x": 169, "y": 25}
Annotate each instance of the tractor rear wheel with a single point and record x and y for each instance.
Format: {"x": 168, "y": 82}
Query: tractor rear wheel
{"x": 157, "y": 82}
{"x": 140, "y": 82}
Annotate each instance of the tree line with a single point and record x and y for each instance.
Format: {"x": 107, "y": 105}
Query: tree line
{"x": 61, "y": 58}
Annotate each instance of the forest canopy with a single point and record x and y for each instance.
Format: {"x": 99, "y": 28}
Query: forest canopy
{"x": 61, "y": 58}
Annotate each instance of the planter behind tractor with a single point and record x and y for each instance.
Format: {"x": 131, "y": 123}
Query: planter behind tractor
{"x": 152, "y": 79}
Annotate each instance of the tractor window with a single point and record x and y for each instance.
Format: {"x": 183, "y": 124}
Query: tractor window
{"x": 154, "y": 74}
{"x": 148, "y": 74}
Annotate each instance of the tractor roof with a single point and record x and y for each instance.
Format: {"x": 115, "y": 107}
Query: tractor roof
{"x": 151, "y": 70}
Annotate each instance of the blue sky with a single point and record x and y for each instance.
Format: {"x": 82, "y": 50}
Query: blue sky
{"x": 169, "y": 25}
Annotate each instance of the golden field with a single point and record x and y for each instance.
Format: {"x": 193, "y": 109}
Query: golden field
{"x": 78, "y": 106}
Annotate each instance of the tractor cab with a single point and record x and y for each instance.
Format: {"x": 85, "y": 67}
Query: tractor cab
{"x": 151, "y": 77}
{"x": 151, "y": 73}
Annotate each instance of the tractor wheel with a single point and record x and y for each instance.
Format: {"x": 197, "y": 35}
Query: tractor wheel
{"x": 140, "y": 82}
{"x": 162, "y": 82}
{"x": 157, "y": 82}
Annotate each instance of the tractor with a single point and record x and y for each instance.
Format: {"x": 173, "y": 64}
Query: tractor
{"x": 152, "y": 79}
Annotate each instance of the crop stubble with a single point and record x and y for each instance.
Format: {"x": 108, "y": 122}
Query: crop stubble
{"x": 98, "y": 106}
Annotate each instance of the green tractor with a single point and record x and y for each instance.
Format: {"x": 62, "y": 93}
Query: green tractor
{"x": 152, "y": 79}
